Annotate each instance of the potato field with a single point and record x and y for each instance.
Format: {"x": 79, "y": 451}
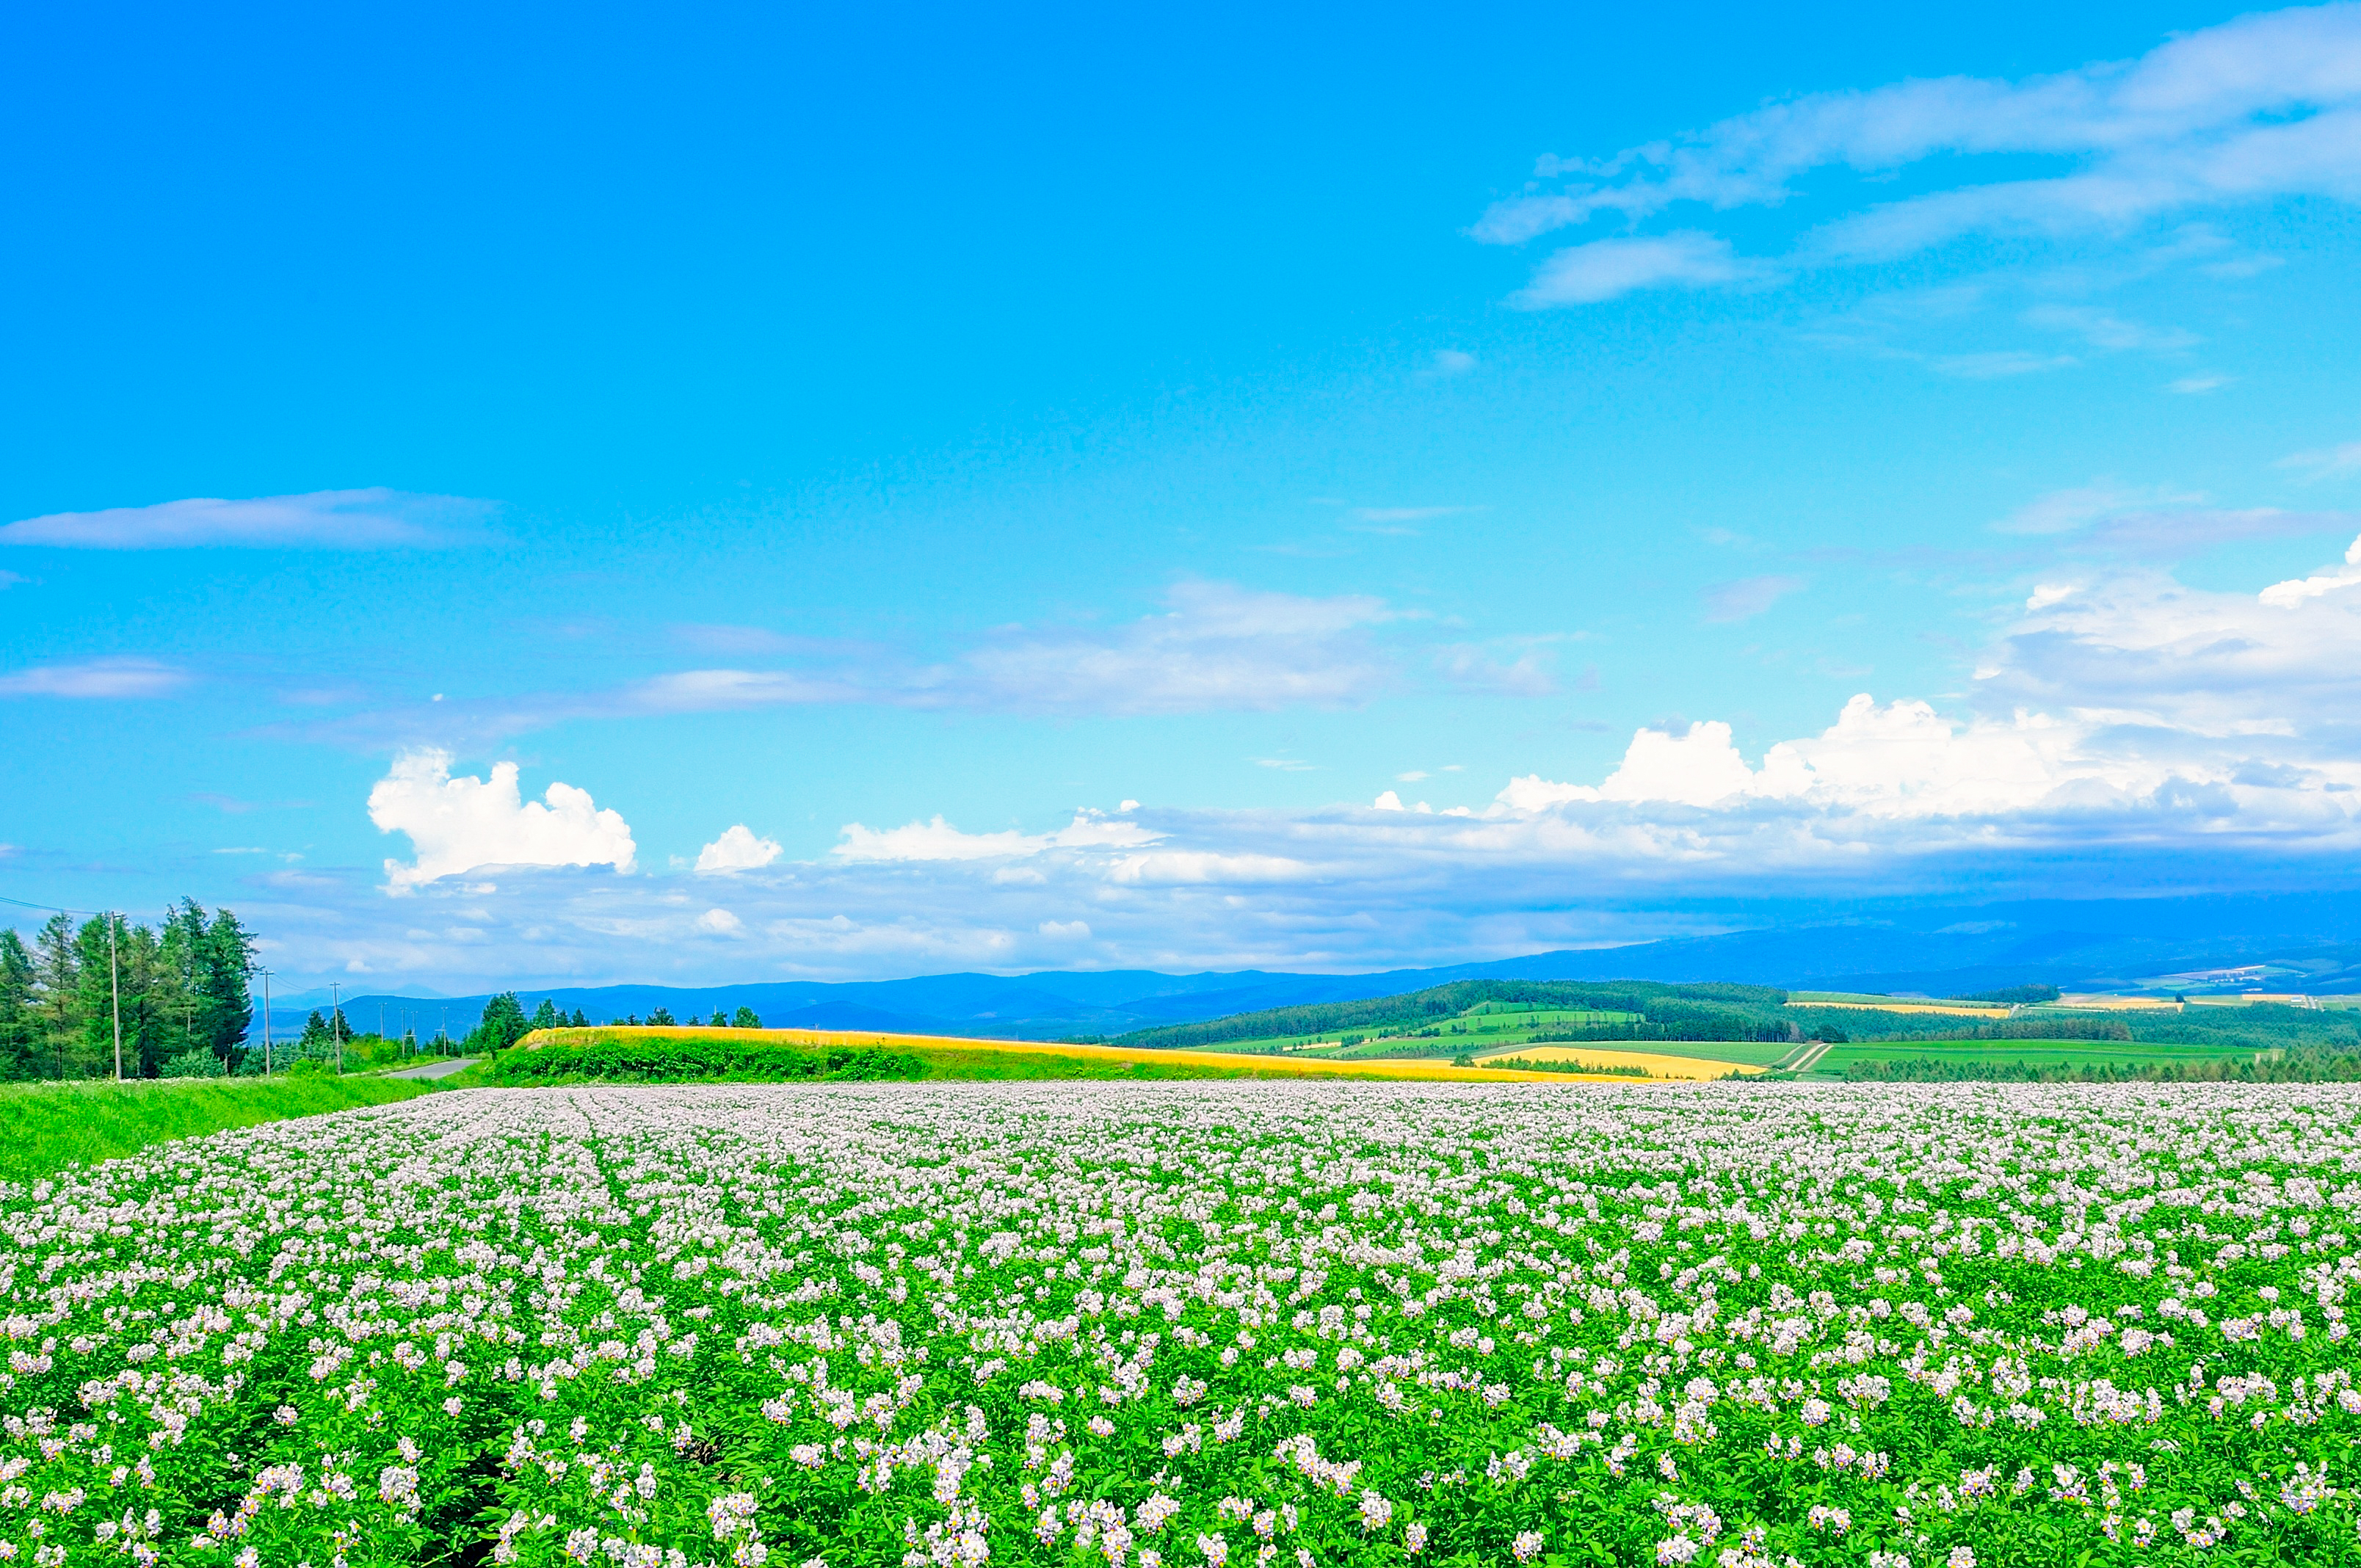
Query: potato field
{"x": 1200, "y": 1325}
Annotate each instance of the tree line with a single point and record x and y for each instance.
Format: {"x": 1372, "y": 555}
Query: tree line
{"x": 505, "y": 1021}
{"x": 179, "y": 987}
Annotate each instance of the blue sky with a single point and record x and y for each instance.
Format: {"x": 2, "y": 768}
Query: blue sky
{"x": 1719, "y": 455}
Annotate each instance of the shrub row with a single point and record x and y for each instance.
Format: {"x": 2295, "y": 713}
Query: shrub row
{"x": 690, "y": 1060}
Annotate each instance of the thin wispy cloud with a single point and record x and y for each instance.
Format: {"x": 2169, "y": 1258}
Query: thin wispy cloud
{"x": 2261, "y": 108}
{"x": 2000, "y": 364}
{"x": 1607, "y": 269}
{"x": 376, "y": 518}
{"x": 1749, "y": 597}
{"x": 99, "y": 679}
{"x": 2326, "y": 462}
{"x": 2158, "y": 520}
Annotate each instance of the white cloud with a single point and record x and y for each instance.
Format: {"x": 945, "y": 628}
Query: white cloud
{"x": 2064, "y": 512}
{"x": 938, "y": 841}
{"x": 1999, "y": 364}
{"x": 737, "y": 850}
{"x": 708, "y": 691}
{"x": 95, "y": 678}
{"x": 342, "y": 519}
{"x": 1744, "y": 599}
{"x": 2327, "y": 463}
{"x": 1217, "y": 647}
{"x": 2105, "y": 330}
{"x": 2123, "y": 725}
{"x": 2291, "y": 595}
{"x": 2262, "y": 108}
{"x": 2140, "y": 647}
{"x": 1204, "y": 866}
{"x": 457, "y": 825}
{"x": 1475, "y": 668}
{"x": 721, "y": 922}
{"x": 1605, "y": 268}
{"x": 2196, "y": 386}
{"x": 1448, "y": 364}
{"x": 2158, "y": 520}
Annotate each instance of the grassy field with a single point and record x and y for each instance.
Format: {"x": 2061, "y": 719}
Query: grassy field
{"x": 1480, "y": 1031}
{"x": 2033, "y": 1053}
{"x": 46, "y": 1127}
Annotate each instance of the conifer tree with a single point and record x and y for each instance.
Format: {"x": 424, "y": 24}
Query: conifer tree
{"x": 19, "y": 1029}
{"x": 57, "y": 985}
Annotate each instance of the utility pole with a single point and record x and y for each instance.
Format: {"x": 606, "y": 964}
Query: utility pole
{"x": 337, "y": 1013}
{"x": 265, "y": 1023}
{"x": 114, "y": 987}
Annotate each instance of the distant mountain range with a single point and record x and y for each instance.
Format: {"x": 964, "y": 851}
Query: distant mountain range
{"x": 2309, "y": 943}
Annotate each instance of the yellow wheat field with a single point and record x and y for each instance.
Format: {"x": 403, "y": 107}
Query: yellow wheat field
{"x": 1314, "y": 1067}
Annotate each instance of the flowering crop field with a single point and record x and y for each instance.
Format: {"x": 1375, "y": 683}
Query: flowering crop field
{"x": 1218, "y": 1324}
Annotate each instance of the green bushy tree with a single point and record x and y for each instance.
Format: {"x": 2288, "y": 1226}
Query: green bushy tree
{"x": 503, "y": 1024}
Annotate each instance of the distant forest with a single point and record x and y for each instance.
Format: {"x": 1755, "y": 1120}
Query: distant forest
{"x": 1702, "y": 1013}
{"x": 183, "y": 984}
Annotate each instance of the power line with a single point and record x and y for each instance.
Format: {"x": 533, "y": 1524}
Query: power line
{"x": 56, "y": 908}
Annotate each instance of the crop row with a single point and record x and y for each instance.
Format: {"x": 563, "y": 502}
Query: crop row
{"x": 1158, "y": 1327}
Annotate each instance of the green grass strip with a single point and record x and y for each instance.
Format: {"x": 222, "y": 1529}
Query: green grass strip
{"x": 44, "y": 1128}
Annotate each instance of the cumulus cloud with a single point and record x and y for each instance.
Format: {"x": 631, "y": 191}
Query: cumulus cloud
{"x": 459, "y": 824}
{"x": 2292, "y": 593}
{"x": 2170, "y": 712}
{"x": 2262, "y": 108}
{"x": 721, "y": 922}
{"x": 737, "y": 850}
{"x": 101, "y": 678}
{"x": 372, "y": 519}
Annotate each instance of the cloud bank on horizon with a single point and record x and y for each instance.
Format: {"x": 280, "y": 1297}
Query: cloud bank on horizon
{"x": 2125, "y": 712}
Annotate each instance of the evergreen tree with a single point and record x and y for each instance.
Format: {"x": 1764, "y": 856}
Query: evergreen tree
{"x": 155, "y": 1021}
{"x": 547, "y": 1017}
{"x": 746, "y": 1019}
{"x": 661, "y": 1018}
{"x": 224, "y": 978}
{"x": 19, "y": 1029}
{"x": 580, "y": 1020}
{"x": 719, "y": 1021}
{"x": 57, "y": 984}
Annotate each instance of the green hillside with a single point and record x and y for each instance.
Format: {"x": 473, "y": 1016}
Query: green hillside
{"x": 1865, "y": 1040}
